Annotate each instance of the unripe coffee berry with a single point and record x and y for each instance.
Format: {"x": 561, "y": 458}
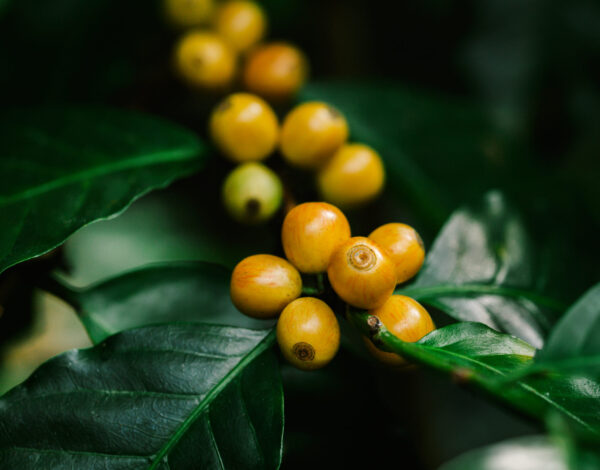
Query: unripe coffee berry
{"x": 252, "y": 193}
{"x": 406, "y": 319}
{"x": 241, "y": 23}
{"x": 204, "y": 60}
{"x": 262, "y": 285}
{"x": 404, "y": 246}
{"x": 354, "y": 175}
{"x": 188, "y": 13}
{"x": 310, "y": 234}
{"x": 275, "y": 71}
{"x": 308, "y": 333}
{"x": 244, "y": 127}
{"x": 311, "y": 133}
{"x": 361, "y": 273}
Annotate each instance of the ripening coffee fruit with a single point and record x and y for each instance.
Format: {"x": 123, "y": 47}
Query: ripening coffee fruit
{"x": 275, "y": 71}
{"x": 361, "y": 273}
{"x": 203, "y": 60}
{"x": 188, "y": 13}
{"x": 310, "y": 234}
{"x": 244, "y": 127}
{"x": 311, "y": 133}
{"x": 241, "y": 23}
{"x": 252, "y": 193}
{"x": 354, "y": 176}
{"x": 308, "y": 333}
{"x": 404, "y": 246}
{"x": 406, "y": 319}
{"x": 262, "y": 285}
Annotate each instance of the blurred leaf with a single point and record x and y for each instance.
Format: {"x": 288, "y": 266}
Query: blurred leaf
{"x": 175, "y": 396}
{"x": 482, "y": 267}
{"x": 62, "y": 169}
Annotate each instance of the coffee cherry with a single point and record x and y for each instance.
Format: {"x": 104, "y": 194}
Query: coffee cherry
{"x": 310, "y": 234}
{"x": 406, "y": 319}
{"x": 204, "y": 60}
{"x": 244, "y": 127}
{"x": 311, "y": 133}
{"x": 308, "y": 333}
{"x": 354, "y": 175}
{"x": 188, "y": 13}
{"x": 275, "y": 71}
{"x": 262, "y": 285}
{"x": 361, "y": 273}
{"x": 404, "y": 246}
{"x": 252, "y": 193}
{"x": 241, "y": 23}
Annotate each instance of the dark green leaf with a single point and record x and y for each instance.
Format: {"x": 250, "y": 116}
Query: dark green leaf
{"x": 61, "y": 169}
{"x": 174, "y": 396}
{"x": 482, "y": 268}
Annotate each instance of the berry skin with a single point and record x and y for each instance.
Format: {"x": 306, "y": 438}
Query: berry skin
{"x": 404, "y": 246}
{"x": 188, "y": 13}
{"x": 204, "y": 60}
{"x": 241, "y": 23}
{"x": 252, "y": 193}
{"x": 311, "y": 133}
{"x": 275, "y": 71}
{"x": 361, "y": 273}
{"x": 406, "y": 319}
{"x": 310, "y": 234}
{"x": 308, "y": 333}
{"x": 354, "y": 175}
{"x": 262, "y": 285}
{"x": 244, "y": 127}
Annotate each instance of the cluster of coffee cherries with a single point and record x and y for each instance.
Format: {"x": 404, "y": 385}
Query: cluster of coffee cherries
{"x": 362, "y": 271}
{"x": 222, "y": 43}
{"x": 313, "y": 136}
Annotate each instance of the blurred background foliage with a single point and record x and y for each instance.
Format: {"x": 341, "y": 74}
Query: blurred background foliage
{"x": 461, "y": 96}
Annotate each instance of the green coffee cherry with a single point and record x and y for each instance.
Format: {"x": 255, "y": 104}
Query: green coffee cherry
{"x": 252, "y": 193}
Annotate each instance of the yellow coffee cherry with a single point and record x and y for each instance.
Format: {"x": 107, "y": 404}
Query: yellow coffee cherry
{"x": 262, "y": 285}
{"x": 361, "y": 273}
{"x": 404, "y": 246}
{"x": 308, "y": 333}
{"x": 244, "y": 127}
{"x": 354, "y": 176}
{"x": 204, "y": 60}
{"x": 310, "y": 234}
{"x": 406, "y": 319}
{"x": 311, "y": 133}
{"x": 188, "y": 13}
{"x": 252, "y": 193}
{"x": 241, "y": 23}
{"x": 275, "y": 71}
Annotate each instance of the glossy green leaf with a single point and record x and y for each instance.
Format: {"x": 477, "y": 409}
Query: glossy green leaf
{"x": 482, "y": 268}
{"x": 160, "y": 397}
{"x": 164, "y": 293}
{"x": 61, "y": 169}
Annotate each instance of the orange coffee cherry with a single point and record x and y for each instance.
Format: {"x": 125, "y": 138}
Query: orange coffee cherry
{"x": 188, "y": 13}
{"x": 406, "y": 319}
{"x": 244, "y": 127}
{"x": 241, "y": 23}
{"x": 311, "y": 133}
{"x": 262, "y": 285}
{"x": 404, "y": 246}
{"x": 204, "y": 60}
{"x": 275, "y": 71}
{"x": 310, "y": 234}
{"x": 361, "y": 273}
{"x": 354, "y": 175}
{"x": 308, "y": 333}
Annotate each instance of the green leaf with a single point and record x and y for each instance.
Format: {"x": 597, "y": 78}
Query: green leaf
{"x": 165, "y": 293}
{"x": 159, "y": 397}
{"x": 482, "y": 268}
{"x": 61, "y": 169}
